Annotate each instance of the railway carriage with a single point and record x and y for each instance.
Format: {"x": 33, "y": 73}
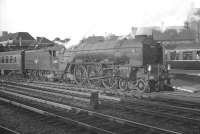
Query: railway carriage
{"x": 119, "y": 63}
{"x": 183, "y": 56}
{"x": 11, "y": 62}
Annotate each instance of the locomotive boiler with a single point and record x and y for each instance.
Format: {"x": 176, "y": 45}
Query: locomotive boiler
{"x": 118, "y": 63}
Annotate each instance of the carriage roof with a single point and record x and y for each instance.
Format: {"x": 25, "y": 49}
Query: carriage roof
{"x": 10, "y": 53}
{"x": 183, "y": 47}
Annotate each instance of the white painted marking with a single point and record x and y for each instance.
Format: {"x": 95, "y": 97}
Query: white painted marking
{"x": 191, "y": 90}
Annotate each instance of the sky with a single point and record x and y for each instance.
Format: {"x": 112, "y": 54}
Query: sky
{"x": 76, "y": 19}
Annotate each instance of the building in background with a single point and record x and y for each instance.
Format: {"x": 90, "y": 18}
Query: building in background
{"x": 19, "y": 40}
{"x": 63, "y": 42}
{"x": 193, "y": 22}
{"x": 3, "y": 33}
{"x": 174, "y": 34}
{"x": 43, "y": 42}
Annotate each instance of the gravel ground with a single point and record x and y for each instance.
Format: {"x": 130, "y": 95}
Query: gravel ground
{"x": 27, "y": 122}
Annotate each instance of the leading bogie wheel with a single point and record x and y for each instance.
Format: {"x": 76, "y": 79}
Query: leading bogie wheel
{"x": 123, "y": 84}
{"x": 141, "y": 85}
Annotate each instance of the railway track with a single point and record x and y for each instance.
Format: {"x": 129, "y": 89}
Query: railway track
{"x": 187, "y": 117}
{"x": 70, "y": 90}
{"x": 189, "y": 104}
{"x": 180, "y": 116}
{"x": 103, "y": 91}
{"x": 5, "y": 130}
{"x": 96, "y": 121}
{"x": 81, "y": 91}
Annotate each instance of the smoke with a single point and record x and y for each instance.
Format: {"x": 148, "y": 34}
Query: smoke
{"x": 193, "y": 13}
{"x": 195, "y": 17}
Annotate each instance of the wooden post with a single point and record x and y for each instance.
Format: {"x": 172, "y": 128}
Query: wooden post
{"x": 94, "y": 99}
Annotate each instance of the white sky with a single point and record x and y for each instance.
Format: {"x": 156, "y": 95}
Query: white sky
{"x": 79, "y": 18}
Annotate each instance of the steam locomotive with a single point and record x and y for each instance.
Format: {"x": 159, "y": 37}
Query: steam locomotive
{"x": 123, "y": 64}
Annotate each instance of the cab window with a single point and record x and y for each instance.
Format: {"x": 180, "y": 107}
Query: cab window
{"x": 54, "y": 53}
{"x": 50, "y": 52}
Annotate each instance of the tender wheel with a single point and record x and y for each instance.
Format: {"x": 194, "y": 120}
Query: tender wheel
{"x": 109, "y": 81}
{"x": 80, "y": 75}
{"x": 123, "y": 84}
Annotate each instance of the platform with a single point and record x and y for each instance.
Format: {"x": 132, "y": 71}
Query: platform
{"x": 186, "y": 72}
{"x": 175, "y": 96}
{"x": 188, "y": 91}
{"x": 187, "y": 86}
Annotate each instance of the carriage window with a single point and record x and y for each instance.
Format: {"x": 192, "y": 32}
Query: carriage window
{"x": 15, "y": 59}
{"x": 2, "y": 60}
{"x": 174, "y": 55}
{"x": 177, "y": 56}
{"x": 6, "y": 59}
{"x": 11, "y": 59}
{"x": 187, "y": 55}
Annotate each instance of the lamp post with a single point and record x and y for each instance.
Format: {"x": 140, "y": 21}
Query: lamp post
{"x": 198, "y": 37}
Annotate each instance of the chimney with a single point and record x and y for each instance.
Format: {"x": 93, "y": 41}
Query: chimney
{"x": 38, "y": 39}
{"x": 133, "y": 31}
{"x": 3, "y": 33}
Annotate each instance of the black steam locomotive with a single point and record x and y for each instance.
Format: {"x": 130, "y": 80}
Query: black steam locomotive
{"x": 98, "y": 62}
